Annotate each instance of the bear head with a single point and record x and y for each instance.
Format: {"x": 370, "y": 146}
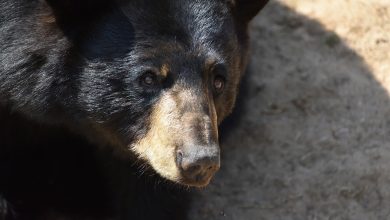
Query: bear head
{"x": 153, "y": 78}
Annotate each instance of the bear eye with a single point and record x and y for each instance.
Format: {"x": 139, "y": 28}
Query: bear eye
{"x": 219, "y": 84}
{"x": 149, "y": 78}
{"x": 219, "y": 72}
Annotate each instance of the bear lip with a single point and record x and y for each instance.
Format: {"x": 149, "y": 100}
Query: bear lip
{"x": 198, "y": 184}
{"x": 199, "y": 181}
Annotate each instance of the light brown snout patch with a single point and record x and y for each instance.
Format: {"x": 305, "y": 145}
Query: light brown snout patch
{"x": 158, "y": 146}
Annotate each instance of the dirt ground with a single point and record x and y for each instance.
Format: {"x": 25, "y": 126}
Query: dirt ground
{"x": 313, "y": 137}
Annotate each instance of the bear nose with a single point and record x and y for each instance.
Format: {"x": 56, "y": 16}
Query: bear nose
{"x": 199, "y": 166}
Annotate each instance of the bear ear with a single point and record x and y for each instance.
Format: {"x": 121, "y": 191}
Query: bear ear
{"x": 245, "y": 10}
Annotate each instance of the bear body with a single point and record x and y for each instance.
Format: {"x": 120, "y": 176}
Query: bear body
{"x": 50, "y": 173}
{"x": 108, "y": 107}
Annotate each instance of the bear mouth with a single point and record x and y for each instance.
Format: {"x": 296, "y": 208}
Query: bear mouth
{"x": 200, "y": 180}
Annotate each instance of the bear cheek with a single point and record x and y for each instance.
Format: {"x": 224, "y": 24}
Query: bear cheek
{"x": 158, "y": 146}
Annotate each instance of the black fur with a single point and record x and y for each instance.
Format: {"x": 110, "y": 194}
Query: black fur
{"x": 70, "y": 97}
{"x": 48, "y": 173}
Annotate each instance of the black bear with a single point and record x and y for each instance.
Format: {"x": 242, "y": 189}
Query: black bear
{"x": 107, "y": 107}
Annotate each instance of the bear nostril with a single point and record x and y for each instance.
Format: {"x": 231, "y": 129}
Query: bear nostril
{"x": 179, "y": 157}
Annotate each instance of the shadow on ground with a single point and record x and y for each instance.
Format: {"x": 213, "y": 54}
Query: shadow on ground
{"x": 312, "y": 140}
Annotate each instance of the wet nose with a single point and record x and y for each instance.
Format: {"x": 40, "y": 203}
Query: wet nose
{"x": 199, "y": 165}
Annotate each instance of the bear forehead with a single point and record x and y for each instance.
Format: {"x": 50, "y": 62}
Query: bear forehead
{"x": 190, "y": 21}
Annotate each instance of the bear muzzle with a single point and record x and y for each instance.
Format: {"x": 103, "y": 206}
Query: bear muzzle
{"x": 182, "y": 142}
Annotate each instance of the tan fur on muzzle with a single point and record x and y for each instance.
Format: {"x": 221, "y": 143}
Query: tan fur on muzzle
{"x": 169, "y": 129}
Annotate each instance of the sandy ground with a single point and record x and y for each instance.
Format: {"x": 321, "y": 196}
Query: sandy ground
{"x": 313, "y": 137}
